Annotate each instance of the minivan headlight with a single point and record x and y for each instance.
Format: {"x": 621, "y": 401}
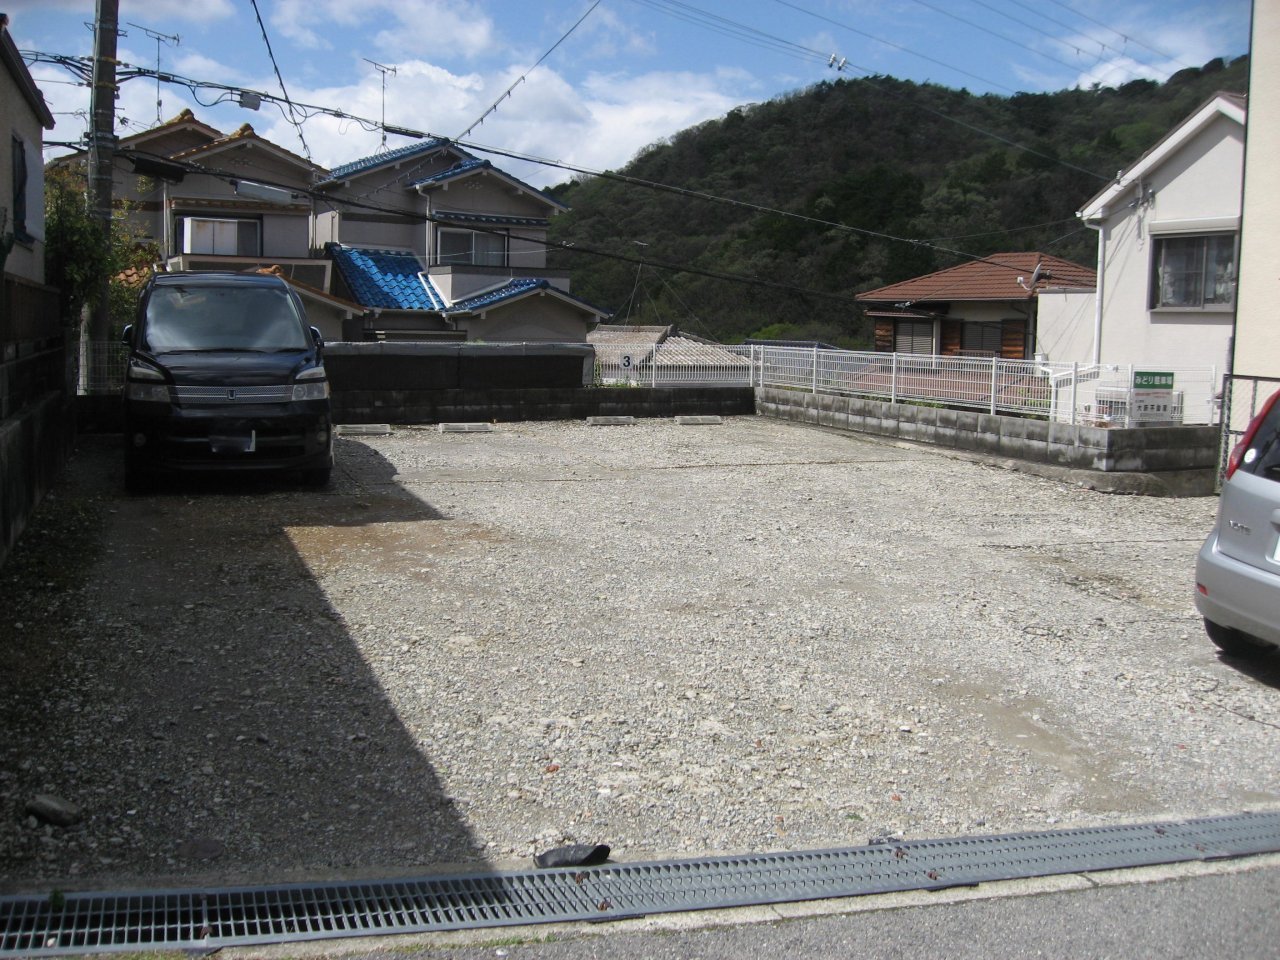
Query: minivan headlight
{"x": 311, "y": 385}
{"x": 148, "y": 392}
{"x": 145, "y": 383}
{"x": 141, "y": 370}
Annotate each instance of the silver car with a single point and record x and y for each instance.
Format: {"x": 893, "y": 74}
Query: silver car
{"x": 1238, "y": 569}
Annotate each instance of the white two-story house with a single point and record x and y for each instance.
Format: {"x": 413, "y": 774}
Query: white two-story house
{"x": 1168, "y": 253}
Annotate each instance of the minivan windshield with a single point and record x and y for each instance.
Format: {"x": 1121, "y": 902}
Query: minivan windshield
{"x": 222, "y": 317}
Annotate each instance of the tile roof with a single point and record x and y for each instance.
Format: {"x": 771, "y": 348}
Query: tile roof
{"x": 365, "y": 164}
{"x": 993, "y": 278}
{"x": 614, "y": 340}
{"x": 490, "y": 219}
{"x": 246, "y": 134}
{"x": 394, "y": 280}
{"x": 184, "y": 119}
{"x": 625, "y": 333}
{"x": 688, "y": 352}
{"x": 514, "y": 289}
{"x": 459, "y": 169}
{"x": 275, "y": 270}
{"x": 390, "y": 279}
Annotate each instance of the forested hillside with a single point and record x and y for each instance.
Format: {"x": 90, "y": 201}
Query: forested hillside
{"x": 893, "y": 159}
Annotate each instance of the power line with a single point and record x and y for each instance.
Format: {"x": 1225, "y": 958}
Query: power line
{"x": 1000, "y": 36}
{"x": 735, "y": 30}
{"x": 660, "y": 187}
{"x": 276, "y": 67}
{"x": 701, "y": 17}
{"x": 519, "y": 80}
{"x": 890, "y": 43}
{"x": 1123, "y": 36}
{"x": 1007, "y": 230}
{"x": 569, "y": 246}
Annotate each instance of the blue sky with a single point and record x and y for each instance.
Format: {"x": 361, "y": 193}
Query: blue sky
{"x": 631, "y": 73}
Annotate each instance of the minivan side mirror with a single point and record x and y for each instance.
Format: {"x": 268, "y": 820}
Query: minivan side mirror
{"x": 319, "y": 340}
{"x": 127, "y": 335}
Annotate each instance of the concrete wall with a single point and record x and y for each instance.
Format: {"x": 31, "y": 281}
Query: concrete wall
{"x": 36, "y": 418}
{"x": 566, "y": 403}
{"x": 536, "y": 319}
{"x": 1187, "y": 455}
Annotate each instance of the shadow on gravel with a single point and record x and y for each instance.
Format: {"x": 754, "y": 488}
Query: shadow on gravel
{"x": 1265, "y": 667}
{"x": 206, "y": 706}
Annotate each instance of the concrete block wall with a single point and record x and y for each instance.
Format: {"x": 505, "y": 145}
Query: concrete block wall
{"x": 513, "y": 405}
{"x": 1145, "y": 449}
{"x": 37, "y": 425}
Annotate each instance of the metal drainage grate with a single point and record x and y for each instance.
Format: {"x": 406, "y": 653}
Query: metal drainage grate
{"x": 209, "y": 919}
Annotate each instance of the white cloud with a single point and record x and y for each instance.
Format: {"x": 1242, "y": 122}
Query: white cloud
{"x": 410, "y": 26}
{"x": 161, "y": 11}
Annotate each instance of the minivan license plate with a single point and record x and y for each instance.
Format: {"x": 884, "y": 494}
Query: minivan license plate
{"x": 240, "y": 444}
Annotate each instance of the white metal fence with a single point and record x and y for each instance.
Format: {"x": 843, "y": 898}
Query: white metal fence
{"x": 1102, "y": 395}
{"x": 101, "y": 366}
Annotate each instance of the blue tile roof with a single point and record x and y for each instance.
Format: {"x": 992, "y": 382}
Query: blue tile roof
{"x": 385, "y": 278}
{"x": 390, "y": 279}
{"x": 459, "y": 169}
{"x": 512, "y": 289}
{"x": 364, "y": 164}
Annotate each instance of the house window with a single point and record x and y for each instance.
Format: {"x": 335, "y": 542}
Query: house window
{"x": 981, "y": 339}
{"x": 913, "y": 336}
{"x": 19, "y": 206}
{"x": 230, "y": 238}
{"x": 1194, "y": 272}
{"x": 470, "y": 247}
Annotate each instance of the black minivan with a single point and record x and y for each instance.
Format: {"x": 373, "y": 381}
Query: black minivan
{"x": 224, "y": 374}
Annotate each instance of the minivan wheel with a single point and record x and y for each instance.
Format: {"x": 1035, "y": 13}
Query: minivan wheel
{"x": 1233, "y": 642}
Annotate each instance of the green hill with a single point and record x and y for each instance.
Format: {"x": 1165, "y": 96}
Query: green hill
{"x": 892, "y": 158}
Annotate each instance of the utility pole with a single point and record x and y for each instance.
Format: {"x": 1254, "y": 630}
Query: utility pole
{"x": 102, "y": 143}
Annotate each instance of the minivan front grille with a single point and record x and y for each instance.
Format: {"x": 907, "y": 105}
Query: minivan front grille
{"x": 267, "y": 394}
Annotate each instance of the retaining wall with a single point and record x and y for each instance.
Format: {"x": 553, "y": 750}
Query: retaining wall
{"x": 36, "y": 416}
{"x": 1175, "y": 460}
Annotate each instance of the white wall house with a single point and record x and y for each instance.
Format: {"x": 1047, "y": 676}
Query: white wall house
{"x": 1168, "y": 254}
{"x": 24, "y": 117}
{"x": 1257, "y": 343}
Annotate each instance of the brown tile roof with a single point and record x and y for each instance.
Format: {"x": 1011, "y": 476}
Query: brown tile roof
{"x": 993, "y": 278}
{"x": 134, "y": 277}
{"x": 247, "y": 134}
{"x": 275, "y": 270}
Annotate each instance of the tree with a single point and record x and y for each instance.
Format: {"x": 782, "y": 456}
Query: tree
{"x": 76, "y": 260}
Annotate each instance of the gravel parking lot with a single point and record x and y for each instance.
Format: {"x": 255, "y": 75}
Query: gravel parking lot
{"x": 672, "y": 639}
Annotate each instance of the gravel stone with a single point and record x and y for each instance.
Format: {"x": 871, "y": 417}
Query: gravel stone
{"x": 471, "y": 649}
